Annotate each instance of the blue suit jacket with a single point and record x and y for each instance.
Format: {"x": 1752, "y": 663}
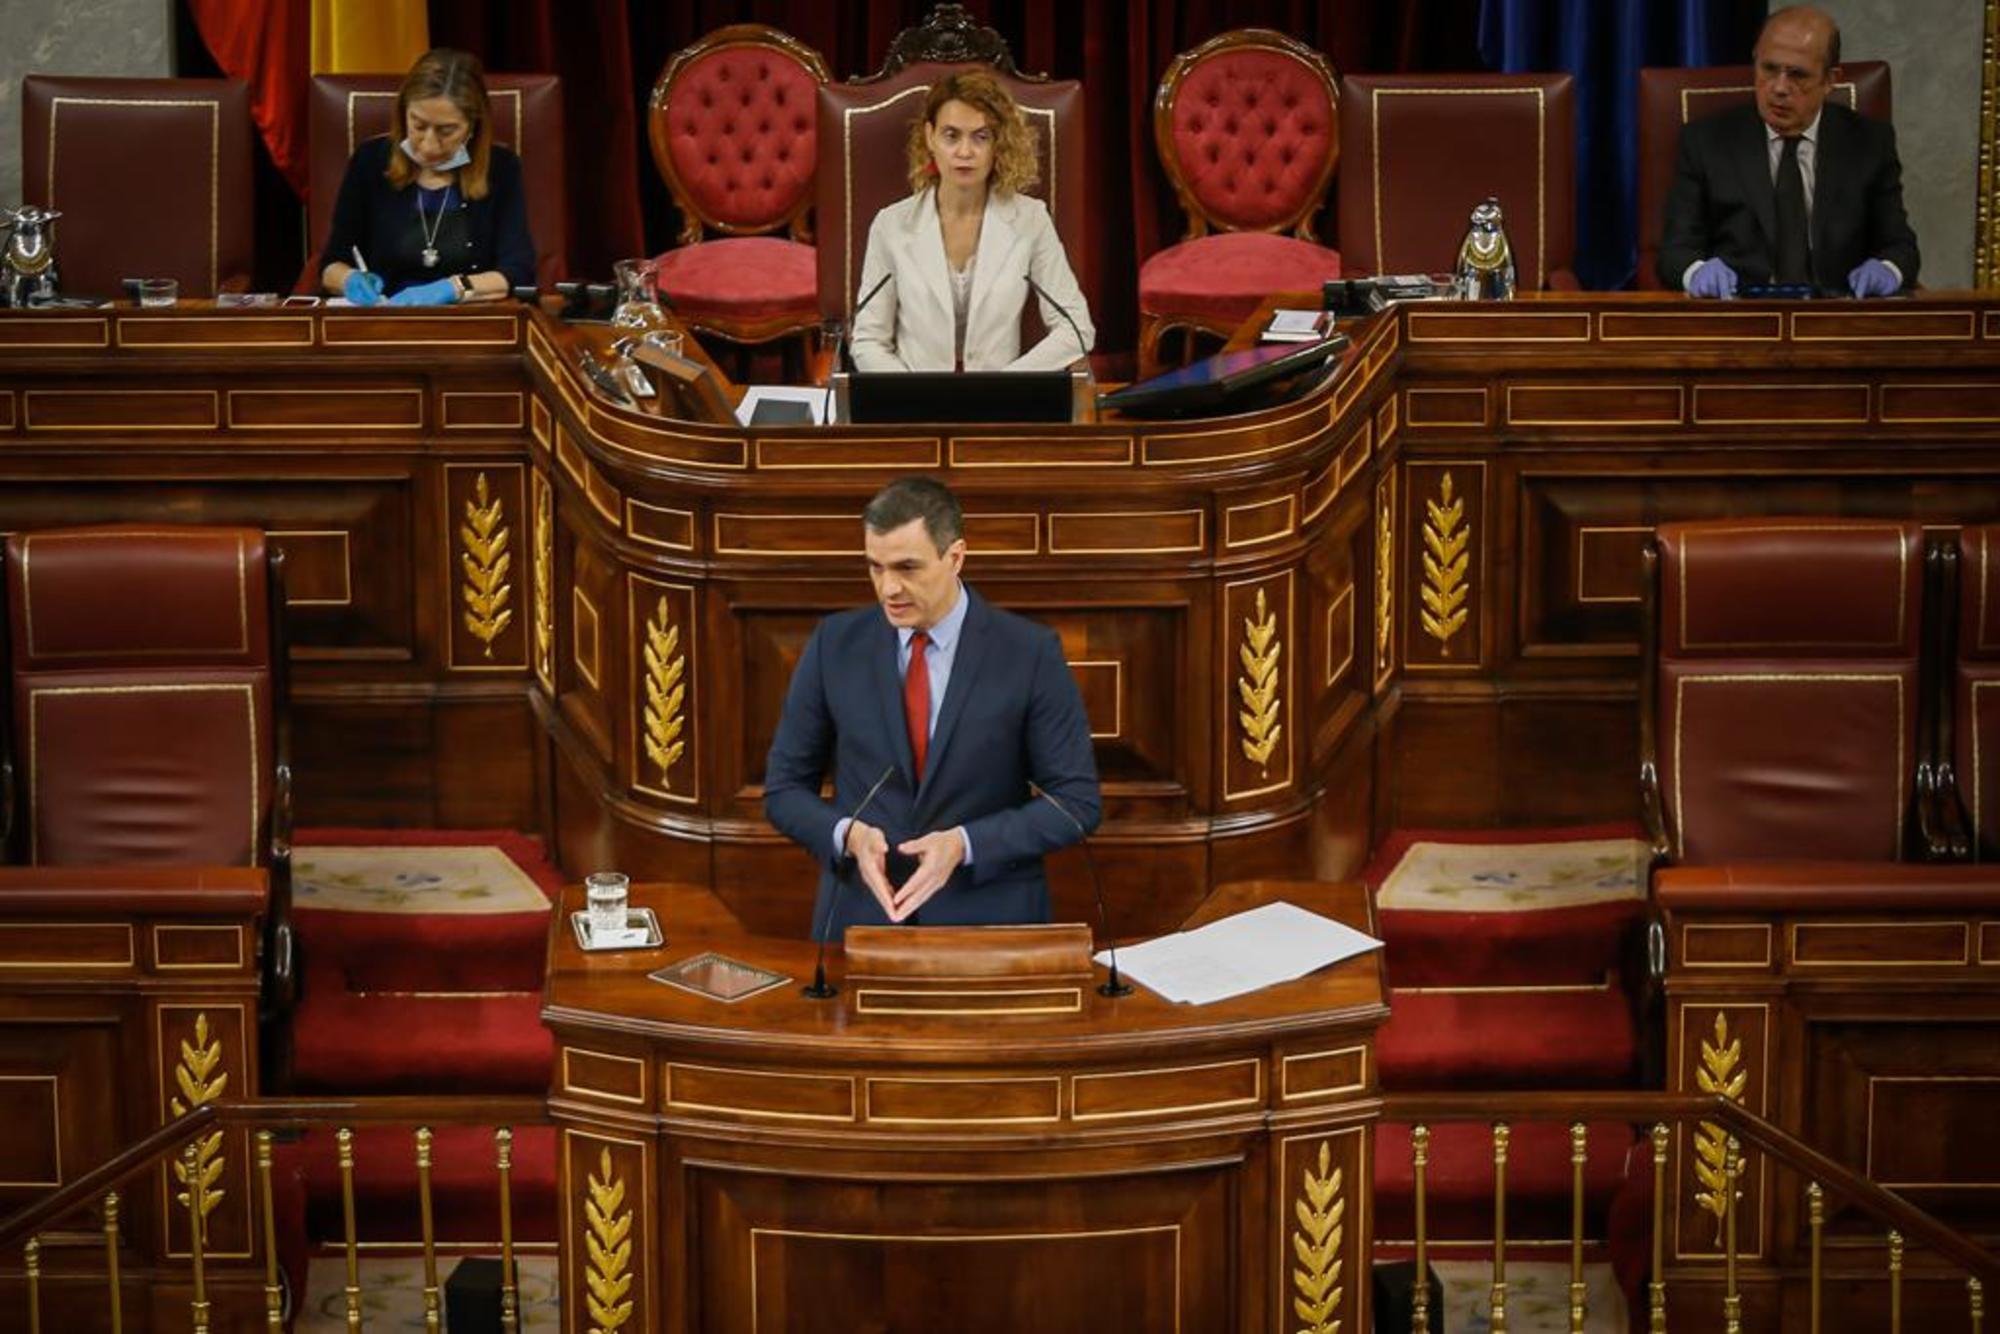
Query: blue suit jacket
{"x": 1011, "y": 715}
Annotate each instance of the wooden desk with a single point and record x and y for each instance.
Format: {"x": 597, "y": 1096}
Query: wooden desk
{"x": 787, "y": 1163}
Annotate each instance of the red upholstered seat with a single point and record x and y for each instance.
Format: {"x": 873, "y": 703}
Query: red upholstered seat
{"x": 1218, "y": 280}
{"x": 1514, "y": 1039}
{"x": 1248, "y": 129}
{"x": 1670, "y": 97}
{"x": 732, "y": 124}
{"x": 152, "y": 177}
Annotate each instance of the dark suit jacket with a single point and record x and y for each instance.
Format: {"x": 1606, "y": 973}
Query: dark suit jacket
{"x": 1723, "y": 203}
{"x": 1011, "y": 714}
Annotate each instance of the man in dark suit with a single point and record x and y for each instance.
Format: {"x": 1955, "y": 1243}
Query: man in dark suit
{"x": 956, "y": 708}
{"x": 1792, "y": 190}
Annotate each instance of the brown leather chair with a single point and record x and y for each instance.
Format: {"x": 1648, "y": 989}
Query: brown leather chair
{"x": 151, "y": 176}
{"x": 345, "y": 109}
{"x": 147, "y": 680}
{"x": 1970, "y": 729}
{"x": 865, "y": 123}
{"x": 1418, "y": 151}
{"x": 1671, "y": 96}
{"x": 1785, "y": 679}
{"x": 731, "y": 124}
{"x": 1248, "y": 129}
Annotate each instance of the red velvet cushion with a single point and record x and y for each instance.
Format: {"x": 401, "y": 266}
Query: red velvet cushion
{"x": 741, "y": 134}
{"x": 1570, "y": 945}
{"x": 1252, "y": 130}
{"x": 426, "y": 951}
{"x": 1225, "y": 277}
{"x": 383, "y": 1043}
{"x": 743, "y": 277}
{"x": 1507, "y": 1039}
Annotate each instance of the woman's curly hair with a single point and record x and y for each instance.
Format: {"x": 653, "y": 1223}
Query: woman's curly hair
{"x": 1015, "y": 165}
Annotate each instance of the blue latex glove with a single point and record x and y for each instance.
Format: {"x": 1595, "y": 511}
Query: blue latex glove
{"x": 362, "y": 289}
{"x": 1713, "y": 279}
{"x": 440, "y": 293}
{"x": 1872, "y": 277}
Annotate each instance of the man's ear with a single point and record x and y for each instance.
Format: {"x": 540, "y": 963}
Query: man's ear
{"x": 955, "y": 553}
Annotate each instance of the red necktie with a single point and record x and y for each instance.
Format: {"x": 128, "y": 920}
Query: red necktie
{"x": 917, "y": 701}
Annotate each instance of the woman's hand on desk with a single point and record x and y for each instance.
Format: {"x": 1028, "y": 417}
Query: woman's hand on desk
{"x": 443, "y": 292}
{"x": 362, "y": 289}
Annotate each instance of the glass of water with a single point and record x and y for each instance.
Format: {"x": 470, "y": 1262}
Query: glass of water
{"x": 605, "y": 896}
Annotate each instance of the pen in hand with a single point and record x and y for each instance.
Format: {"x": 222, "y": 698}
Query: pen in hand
{"x": 359, "y": 262}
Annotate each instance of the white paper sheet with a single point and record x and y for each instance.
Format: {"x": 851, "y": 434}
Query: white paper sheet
{"x": 1240, "y": 954}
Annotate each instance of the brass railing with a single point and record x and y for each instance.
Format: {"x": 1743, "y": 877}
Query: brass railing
{"x": 266, "y": 1118}
{"x": 1902, "y": 1223}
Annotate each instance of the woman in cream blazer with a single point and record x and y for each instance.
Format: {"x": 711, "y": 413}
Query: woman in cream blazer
{"x": 970, "y": 156}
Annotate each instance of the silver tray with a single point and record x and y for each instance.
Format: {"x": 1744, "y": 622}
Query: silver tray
{"x": 580, "y": 922}
{"x": 718, "y": 977}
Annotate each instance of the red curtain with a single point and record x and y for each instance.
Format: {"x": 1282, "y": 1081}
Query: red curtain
{"x": 609, "y": 54}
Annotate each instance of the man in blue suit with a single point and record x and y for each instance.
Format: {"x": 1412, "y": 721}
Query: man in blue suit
{"x": 959, "y": 710}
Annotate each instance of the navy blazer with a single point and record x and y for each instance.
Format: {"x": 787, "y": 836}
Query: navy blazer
{"x": 473, "y": 236}
{"x": 1722, "y": 201}
{"x": 1011, "y": 715}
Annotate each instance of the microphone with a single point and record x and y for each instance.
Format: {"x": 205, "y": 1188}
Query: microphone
{"x": 821, "y": 989}
{"x": 1113, "y": 985}
{"x": 855, "y": 314}
{"x": 1083, "y": 349}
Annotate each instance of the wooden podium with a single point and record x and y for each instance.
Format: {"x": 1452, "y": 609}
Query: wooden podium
{"x": 785, "y": 1163}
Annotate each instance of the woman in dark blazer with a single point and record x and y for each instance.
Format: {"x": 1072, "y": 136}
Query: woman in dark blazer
{"x": 441, "y": 215}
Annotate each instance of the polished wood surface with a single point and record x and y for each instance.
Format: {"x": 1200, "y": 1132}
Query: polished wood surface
{"x": 806, "y": 1164}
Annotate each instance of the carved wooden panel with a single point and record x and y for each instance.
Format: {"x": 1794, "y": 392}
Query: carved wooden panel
{"x": 202, "y": 1055}
{"x": 1723, "y": 1048}
{"x": 487, "y": 541}
{"x": 1320, "y": 1248}
{"x": 56, "y": 1066}
{"x": 1445, "y": 569}
{"x": 666, "y": 700}
{"x": 588, "y": 645}
{"x": 1256, "y": 686}
{"x": 609, "y": 1232}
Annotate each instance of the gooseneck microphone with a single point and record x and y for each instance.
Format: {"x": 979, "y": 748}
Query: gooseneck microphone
{"x": 821, "y": 989}
{"x": 854, "y": 316}
{"x": 1113, "y": 984}
{"x": 1083, "y": 349}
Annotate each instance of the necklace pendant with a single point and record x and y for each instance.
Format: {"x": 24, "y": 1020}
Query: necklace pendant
{"x": 430, "y": 257}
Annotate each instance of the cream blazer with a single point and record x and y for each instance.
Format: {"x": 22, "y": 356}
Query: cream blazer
{"x": 908, "y": 326}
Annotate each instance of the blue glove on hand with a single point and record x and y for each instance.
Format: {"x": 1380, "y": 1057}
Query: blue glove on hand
{"x": 1713, "y": 279}
{"x": 440, "y": 293}
{"x": 1872, "y": 277}
{"x": 362, "y": 289}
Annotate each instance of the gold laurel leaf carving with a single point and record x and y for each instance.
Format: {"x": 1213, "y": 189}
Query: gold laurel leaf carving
{"x": 485, "y": 562}
{"x": 608, "y": 1245}
{"x": 1446, "y": 560}
{"x": 544, "y": 572}
{"x": 666, "y": 693}
{"x": 1257, "y": 688}
{"x": 200, "y": 1081}
{"x": 1721, "y": 1072}
{"x": 1319, "y": 1210}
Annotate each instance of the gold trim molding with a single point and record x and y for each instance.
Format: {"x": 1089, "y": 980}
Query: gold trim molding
{"x": 1986, "y": 249}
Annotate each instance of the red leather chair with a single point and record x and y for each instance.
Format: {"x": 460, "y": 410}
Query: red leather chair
{"x": 151, "y": 176}
{"x": 147, "y": 677}
{"x": 345, "y": 109}
{"x": 1780, "y": 713}
{"x": 731, "y": 124}
{"x": 1248, "y": 129}
{"x": 1671, "y": 96}
{"x": 1971, "y": 722}
{"x": 864, "y": 124}
{"x": 1419, "y": 151}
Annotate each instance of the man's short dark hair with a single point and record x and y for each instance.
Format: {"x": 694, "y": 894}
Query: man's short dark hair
{"x": 909, "y": 498}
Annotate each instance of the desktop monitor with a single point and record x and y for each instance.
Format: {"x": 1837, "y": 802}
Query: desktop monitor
{"x": 1227, "y": 381}
{"x": 956, "y": 396}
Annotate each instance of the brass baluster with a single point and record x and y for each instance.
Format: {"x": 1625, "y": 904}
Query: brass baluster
{"x": 1816, "y": 1219}
{"x": 1732, "y": 1300}
{"x": 1578, "y": 1148}
{"x": 344, "y": 1138}
{"x": 1656, "y": 1293}
{"x": 111, "y": 1260}
{"x": 1895, "y": 1282}
{"x": 31, "y": 1257}
{"x": 1497, "y": 1317}
{"x": 196, "y": 1197}
{"x": 430, "y": 1243}
{"x": 274, "y": 1295}
{"x": 1420, "y": 1295}
{"x": 510, "y": 1297}
{"x": 1975, "y": 1292}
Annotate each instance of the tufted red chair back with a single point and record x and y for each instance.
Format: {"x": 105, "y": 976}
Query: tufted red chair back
{"x": 1786, "y": 687}
{"x": 863, "y": 127}
{"x": 1418, "y": 151}
{"x": 143, "y": 686}
{"x": 94, "y": 148}
{"x": 345, "y": 109}
{"x": 731, "y": 124}
{"x": 1670, "y": 97}
{"x": 1248, "y": 127}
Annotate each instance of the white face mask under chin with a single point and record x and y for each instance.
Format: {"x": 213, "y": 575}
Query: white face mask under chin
{"x": 459, "y": 158}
